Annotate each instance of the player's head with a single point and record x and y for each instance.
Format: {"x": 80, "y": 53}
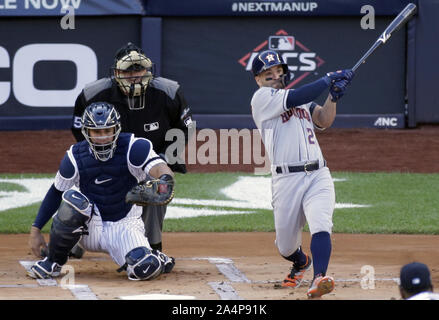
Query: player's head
{"x": 101, "y": 128}
{"x": 414, "y": 278}
{"x": 269, "y": 69}
{"x": 132, "y": 71}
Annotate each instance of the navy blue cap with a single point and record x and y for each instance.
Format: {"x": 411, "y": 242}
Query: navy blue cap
{"x": 415, "y": 277}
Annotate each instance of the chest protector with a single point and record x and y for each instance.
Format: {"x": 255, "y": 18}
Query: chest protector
{"x": 106, "y": 183}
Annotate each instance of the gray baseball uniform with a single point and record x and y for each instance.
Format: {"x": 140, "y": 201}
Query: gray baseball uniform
{"x": 290, "y": 141}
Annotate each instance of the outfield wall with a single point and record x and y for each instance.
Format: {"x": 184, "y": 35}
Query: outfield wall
{"x": 208, "y": 47}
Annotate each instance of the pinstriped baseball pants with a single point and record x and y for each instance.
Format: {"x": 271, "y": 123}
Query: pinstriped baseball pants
{"x": 116, "y": 238}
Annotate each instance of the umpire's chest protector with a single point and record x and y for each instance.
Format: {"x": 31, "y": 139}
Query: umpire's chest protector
{"x": 106, "y": 183}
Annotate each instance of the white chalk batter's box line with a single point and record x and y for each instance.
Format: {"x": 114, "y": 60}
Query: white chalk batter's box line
{"x": 226, "y": 266}
{"x": 231, "y": 274}
{"x": 80, "y": 291}
{"x": 224, "y": 289}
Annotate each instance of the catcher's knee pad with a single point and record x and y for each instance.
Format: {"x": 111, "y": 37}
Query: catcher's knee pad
{"x": 68, "y": 225}
{"x": 143, "y": 264}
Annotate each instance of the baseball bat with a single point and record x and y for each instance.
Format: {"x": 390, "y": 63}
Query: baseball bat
{"x": 394, "y": 26}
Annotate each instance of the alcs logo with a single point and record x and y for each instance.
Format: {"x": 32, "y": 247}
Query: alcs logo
{"x": 301, "y": 60}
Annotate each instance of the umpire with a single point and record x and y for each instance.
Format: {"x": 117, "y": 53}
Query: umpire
{"x": 149, "y": 106}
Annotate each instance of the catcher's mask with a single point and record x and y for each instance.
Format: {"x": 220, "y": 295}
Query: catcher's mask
{"x": 97, "y": 119}
{"x": 132, "y": 71}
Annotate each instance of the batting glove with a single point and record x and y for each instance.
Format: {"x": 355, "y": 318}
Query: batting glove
{"x": 332, "y": 77}
{"x": 337, "y": 90}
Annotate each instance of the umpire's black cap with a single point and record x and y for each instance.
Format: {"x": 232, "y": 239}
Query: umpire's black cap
{"x": 123, "y": 51}
{"x": 415, "y": 277}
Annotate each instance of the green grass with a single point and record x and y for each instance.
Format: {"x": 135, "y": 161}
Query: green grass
{"x": 400, "y": 203}
{"x": 203, "y": 185}
{"x": 225, "y": 223}
{"x": 8, "y": 186}
{"x": 19, "y": 220}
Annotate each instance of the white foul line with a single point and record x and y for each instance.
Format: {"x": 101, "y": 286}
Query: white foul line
{"x": 225, "y": 291}
{"x": 228, "y": 269}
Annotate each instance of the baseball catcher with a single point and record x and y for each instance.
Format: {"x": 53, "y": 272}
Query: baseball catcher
{"x": 100, "y": 216}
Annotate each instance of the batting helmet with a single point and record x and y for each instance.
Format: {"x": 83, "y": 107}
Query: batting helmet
{"x": 101, "y": 115}
{"x": 132, "y": 71}
{"x": 267, "y": 59}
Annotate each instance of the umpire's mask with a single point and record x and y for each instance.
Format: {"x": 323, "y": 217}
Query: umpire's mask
{"x": 132, "y": 71}
{"x": 101, "y": 128}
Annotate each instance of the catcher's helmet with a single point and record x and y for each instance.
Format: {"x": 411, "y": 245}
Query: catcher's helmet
{"x": 97, "y": 116}
{"x": 267, "y": 59}
{"x": 132, "y": 71}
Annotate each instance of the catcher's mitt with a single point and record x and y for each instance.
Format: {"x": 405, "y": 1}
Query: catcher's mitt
{"x": 157, "y": 192}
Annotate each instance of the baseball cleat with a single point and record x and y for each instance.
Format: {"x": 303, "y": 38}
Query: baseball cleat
{"x": 169, "y": 265}
{"x": 44, "y": 269}
{"x": 320, "y": 285}
{"x": 294, "y": 279}
{"x": 167, "y": 262}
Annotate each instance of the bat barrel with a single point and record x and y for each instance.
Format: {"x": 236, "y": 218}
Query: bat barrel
{"x": 397, "y": 23}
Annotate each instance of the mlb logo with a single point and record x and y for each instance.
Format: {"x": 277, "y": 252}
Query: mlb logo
{"x": 188, "y": 121}
{"x": 151, "y": 126}
{"x": 281, "y": 43}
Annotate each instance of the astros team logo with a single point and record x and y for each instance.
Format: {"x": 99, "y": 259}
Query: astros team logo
{"x": 301, "y": 61}
{"x": 270, "y": 57}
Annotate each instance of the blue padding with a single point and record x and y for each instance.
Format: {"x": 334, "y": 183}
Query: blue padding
{"x": 76, "y": 199}
{"x": 151, "y": 37}
{"x": 66, "y": 168}
{"x": 139, "y": 152}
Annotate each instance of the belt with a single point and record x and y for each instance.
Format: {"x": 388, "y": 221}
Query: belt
{"x": 307, "y": 167}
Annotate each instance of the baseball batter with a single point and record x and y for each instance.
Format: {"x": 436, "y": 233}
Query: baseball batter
{"x": 302, "y": 186}
{"x": 104, "y": 167}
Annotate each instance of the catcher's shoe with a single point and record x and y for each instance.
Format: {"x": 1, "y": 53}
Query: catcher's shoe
{"x": 44, "y": 269}
{"x": 169, "y": 265}
{"x": 167, "y": 262}
{"x": 320, "y": 285}
{"x": 294, "y": 279}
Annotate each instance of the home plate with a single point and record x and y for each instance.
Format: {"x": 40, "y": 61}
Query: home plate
{"x": 157, "y": 296}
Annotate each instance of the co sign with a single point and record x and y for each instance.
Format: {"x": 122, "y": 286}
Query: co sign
{"x": 23, "y": 64}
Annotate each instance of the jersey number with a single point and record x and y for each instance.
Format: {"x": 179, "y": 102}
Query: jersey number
{"x": 310, "y": 136}
{"x": 77, "y": 122}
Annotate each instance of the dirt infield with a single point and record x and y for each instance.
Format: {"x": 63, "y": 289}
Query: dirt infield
{"x": 213, "y": 266}
{"x": 252, "y": 254}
